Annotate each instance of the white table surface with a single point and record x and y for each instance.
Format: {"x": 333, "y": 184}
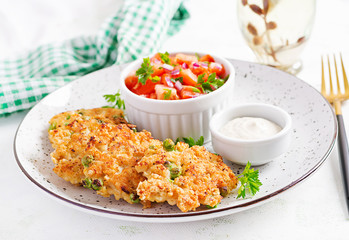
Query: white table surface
{"x": 315, "y": 209}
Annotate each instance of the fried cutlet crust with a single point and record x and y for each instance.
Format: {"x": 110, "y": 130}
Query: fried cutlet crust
{"x": 111, "y": 145}
{"x": 98, "y": 149}
{"x": 204, "y": 177}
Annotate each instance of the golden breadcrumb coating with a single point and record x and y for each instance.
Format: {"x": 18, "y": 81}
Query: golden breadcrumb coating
{"x": 98, "y": 149}
{"x": 185, "y": 176}
{"x": 95, "y": 148}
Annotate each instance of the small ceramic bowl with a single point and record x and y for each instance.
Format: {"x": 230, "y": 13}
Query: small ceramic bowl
{"x": 177, "y": 118}
{"x": 259, "y": 151}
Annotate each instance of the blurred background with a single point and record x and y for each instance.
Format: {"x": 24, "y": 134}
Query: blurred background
{"x": 27, "y": 24}
{"x": 212, "y": 26}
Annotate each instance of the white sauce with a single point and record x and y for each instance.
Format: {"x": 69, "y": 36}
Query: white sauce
{"x": 250, "y": 128}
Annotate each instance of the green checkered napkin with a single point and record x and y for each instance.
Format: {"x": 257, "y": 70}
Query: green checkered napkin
{"x": 138, "y": 29}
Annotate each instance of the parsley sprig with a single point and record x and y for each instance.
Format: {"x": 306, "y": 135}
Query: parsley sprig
{"x": 191, "y": 142}
{"x": 249, "y": 180}
{"x": 212, "y": 83}
{"x": 165, "y": 57}
{"x": 180, "y": 79}
{"x": 145, "y": 71}
{"x": 115, "y": 100}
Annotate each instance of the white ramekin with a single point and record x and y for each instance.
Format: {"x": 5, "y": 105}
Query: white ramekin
{"x": 257, "y": 152}
{"x": 177, "y": 118}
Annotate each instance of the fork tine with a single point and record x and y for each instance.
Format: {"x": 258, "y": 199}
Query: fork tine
{"x": 323, "y": 84}
{"x": 345, "y": 79}
{"x": 329, "y": 71}
{"x": 338, "y": 85}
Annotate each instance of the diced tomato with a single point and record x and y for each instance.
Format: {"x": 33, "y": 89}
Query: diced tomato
{"x": 197, "y": 69}
{"x": 189, "y": 77}
{"x": 172, "y": 59}
{"x": 165, "y": 93}
{"x": 131, "y": 80}
{"x": 156, "y": 59}
{"x": 207, "y": 58}
{"x": 188, "y": 92}
{"x": 158, "y": 70}
{"x": 152, "y": 95}
{"x": 217, "y": 68}
{"x": 188, "y": 59}
{"x": 145, "y": 89}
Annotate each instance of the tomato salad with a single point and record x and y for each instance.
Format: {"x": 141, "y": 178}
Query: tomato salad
{"x": 182, "y": 76}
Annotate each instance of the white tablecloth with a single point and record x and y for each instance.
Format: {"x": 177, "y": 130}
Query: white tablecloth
{"x": 314, "y": 209}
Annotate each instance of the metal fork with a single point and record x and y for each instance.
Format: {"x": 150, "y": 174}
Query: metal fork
{"x": 336, "y": 100}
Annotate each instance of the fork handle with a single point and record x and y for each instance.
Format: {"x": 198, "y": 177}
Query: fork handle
{"x": 343, "y": 155}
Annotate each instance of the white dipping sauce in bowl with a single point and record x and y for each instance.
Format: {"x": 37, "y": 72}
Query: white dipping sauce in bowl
{"x": 256, "y": 151}
{"x": 250, "y": 128}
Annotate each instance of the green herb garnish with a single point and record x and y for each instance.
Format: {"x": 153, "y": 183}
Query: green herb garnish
{"x": 209, "y": 207}
{"x": 145, "y": 71}
{"x": 226, "y": 78}
{"x": 167, "y": 94}
{"x": 212, "y": 83}
{"x": 85, "y": 161}
{"x": 87, "y": 183}
{"x": 175, "y": 171}
{"x": 97, "y": 184}
{"x": 180, "y": 79}
{"x": 165, "y": 57}
{"x": 168, "y": 145}
{"x": 134, "y": 198}
{"x": 201, "y": 78}
{"x": 249, "y": 181}
{"x": 155, "y": 79}
{"x": 52, "y": 126}
{"x": 191, "y": 142}
{"x": 115, "y": 100}
{"x": 195, "y": 90}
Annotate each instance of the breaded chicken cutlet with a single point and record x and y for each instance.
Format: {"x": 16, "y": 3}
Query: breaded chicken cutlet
{"x": 98, "y": 149}
{"x": 184, "y": 176}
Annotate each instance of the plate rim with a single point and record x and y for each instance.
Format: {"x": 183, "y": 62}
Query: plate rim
{"x": 138, "y": 216}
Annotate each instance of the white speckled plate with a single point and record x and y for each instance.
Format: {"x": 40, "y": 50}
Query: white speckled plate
{"x": 314, "y": 134}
